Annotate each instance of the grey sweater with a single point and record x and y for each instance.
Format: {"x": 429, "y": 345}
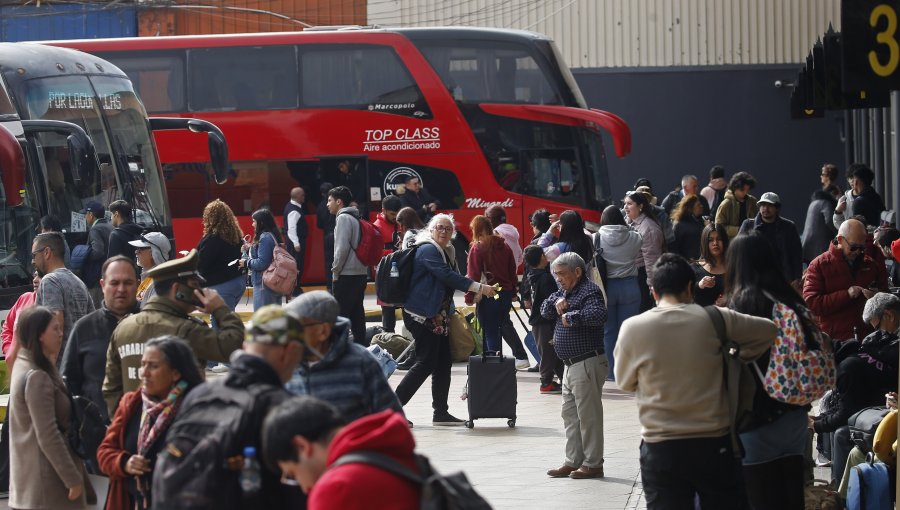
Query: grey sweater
{"x": 346, "y": 239}
{"x": 621, "y": 247}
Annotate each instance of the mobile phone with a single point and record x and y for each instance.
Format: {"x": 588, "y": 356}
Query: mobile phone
{"x": 183, "y": 296}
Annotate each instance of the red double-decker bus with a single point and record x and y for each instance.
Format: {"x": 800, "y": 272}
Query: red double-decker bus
{"x": 481, "y": 116}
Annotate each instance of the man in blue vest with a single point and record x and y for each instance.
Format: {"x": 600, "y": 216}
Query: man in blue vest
{"x": 295, "y": 231}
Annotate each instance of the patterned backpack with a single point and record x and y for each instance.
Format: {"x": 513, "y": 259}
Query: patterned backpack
{"x": 796, "y": 374}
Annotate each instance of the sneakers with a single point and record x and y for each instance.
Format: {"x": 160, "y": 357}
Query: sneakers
{"x": 535, "y": 368}
{"x": 447, "y": 420}
{"x": 523, "y": 364}
{"x": 219, "y": 369}
{"x": 822, "y": 461}
{"x": 551, "y": 388}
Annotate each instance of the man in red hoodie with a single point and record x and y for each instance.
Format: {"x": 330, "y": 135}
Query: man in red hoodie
{"x": 386, "y": 223}
{"x": 305, "y": 436}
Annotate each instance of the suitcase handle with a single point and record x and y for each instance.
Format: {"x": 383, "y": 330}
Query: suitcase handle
{"x": 492, "y": 357}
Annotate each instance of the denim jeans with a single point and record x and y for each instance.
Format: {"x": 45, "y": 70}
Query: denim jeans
{"x": 231, "y": 292}
{"x": 624, "y": 301}
{"x": 262, "y": 296}
{"x": 490, "y": 313}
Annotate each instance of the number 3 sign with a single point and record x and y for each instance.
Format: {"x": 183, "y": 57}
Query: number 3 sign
{"x": 871, "y": 50}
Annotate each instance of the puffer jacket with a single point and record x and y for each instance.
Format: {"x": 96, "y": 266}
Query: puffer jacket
{"x": 825, "y": 291}
{"x": 348, "y": 377}
{"x": 621, "y": 247}
{"x": 652, "y": 244}
{"x": 818, "y": 231}
{"x": 729, "y": 213}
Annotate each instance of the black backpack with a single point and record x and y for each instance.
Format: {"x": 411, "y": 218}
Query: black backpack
{"x": 393, "y": 290}
{"x": 452, "y": 492}
{"x": 199, "y": 467}
{"x": 88, "y": 428}
{"x": 863, "y": 425}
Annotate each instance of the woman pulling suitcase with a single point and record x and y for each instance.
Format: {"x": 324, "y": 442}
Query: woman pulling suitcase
{"x": 426, "y": 315}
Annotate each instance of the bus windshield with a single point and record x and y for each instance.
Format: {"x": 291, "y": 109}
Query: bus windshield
{"x": 108, "y": 110}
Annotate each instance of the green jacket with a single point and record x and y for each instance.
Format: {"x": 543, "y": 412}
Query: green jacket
{"x": 162, "y": 316}
{"x": 729, "y": 213}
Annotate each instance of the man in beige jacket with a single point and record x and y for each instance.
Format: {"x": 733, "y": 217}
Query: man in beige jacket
{"x": 670, "y": 356}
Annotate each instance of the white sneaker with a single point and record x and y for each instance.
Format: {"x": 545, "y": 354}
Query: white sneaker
{"x": 219, "y": 369}
{"x": 522, "y": 364}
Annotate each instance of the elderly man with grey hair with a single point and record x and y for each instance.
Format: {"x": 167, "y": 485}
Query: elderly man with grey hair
{"x": 866, "y": 371}
{"x": 580, "y": 313}
{"x": 334, "y": 368}
{"x": 689, "y": 186}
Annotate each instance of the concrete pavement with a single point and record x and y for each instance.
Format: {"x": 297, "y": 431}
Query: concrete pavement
{"x": 508, "y": 466}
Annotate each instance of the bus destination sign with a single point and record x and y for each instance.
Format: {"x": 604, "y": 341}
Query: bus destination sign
{"x": 83, "y": 101}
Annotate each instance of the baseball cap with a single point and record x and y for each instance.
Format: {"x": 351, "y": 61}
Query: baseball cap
{"x": 317, "y": 305}
{"x": 158, "y": 244}
{"x": 272, "y": 325}
{"x": 94, "y": 207}
{"x": 769, "y": 198}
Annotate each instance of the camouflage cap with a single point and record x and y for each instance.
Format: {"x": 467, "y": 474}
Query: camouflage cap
{"x": 271, "y": 325}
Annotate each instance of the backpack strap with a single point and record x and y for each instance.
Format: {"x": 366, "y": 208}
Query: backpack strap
{"x": 380, "y": 461}
{"x": 730, "y": 351}
{"x": 359, "y": 225}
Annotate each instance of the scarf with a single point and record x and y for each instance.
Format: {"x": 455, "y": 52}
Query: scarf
{"x": 157, "y": 416}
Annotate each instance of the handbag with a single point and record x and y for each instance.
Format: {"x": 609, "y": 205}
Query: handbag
{"x": 796, "y": 374}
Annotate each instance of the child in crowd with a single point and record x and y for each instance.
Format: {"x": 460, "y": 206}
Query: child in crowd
{"x": 542, "y": 285}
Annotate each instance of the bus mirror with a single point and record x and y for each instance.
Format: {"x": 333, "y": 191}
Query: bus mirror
{"x": 12, "y": 168}
{"x": 218, "y": 147}
{"x": 81, "y": 149}
{"x": 218, "y": 156}
{"x": 81, "y": 155}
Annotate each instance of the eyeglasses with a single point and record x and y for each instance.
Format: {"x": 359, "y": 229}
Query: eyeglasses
{"x": 855, "y": 247}
{"x": 443, "y": 228}
{"x": 38, "y": 252}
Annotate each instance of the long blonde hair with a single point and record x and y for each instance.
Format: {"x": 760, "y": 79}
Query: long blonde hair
{"x": 219, "y": 220}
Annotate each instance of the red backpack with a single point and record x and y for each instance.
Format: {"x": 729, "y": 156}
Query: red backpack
{"x": 371, "y": 245}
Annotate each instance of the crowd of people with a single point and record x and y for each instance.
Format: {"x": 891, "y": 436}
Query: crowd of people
{"x": 630, "y": 304}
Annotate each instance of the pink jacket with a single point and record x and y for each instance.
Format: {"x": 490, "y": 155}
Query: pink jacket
{"x": 9, "y": 327}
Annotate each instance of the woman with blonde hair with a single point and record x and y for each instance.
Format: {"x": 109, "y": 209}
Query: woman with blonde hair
{"x": 220, "y": 250}
{"x": 491, "y": 262}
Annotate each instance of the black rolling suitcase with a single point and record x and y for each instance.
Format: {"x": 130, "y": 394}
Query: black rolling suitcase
{"x": 492, "y": 391}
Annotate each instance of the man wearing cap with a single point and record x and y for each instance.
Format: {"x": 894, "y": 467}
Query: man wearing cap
{"x": 177, "y": 285}
{"x": 271, "y": 351}
{"x": 151, "y": 250}
{"x": 781, "y": 234}
{"x": 98, "y": 238}
{"x": 335, "y": 369}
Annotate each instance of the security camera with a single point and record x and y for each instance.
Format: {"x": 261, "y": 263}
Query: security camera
{"x": 778, "y": 84}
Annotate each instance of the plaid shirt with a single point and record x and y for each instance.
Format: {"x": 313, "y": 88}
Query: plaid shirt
{"x": 586, "y": 315}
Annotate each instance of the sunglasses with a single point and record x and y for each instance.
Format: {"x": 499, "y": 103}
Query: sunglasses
{"x": 855, "y": 247}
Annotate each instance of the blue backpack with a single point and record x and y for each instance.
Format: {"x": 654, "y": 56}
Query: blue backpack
{"x": 870, "y": 486}
{"x": 79, "y": 256}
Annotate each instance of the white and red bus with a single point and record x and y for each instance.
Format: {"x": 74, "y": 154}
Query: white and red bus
{"x": 72, "y": 131}
{"x": 481, "y": 116}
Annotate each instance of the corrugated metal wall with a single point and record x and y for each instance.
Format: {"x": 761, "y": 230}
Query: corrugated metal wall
{"x": 242, "y": 16}
{"x": 639, "y": 33}
{"x": 66, "y": 21}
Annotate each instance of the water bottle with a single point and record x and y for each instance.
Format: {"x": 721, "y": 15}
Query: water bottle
{"x": 395, "y": 272}
{"x": 251, "y": 480}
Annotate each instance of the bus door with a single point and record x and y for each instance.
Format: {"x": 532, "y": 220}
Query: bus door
{"x": 353, "y": 172}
